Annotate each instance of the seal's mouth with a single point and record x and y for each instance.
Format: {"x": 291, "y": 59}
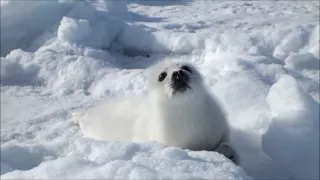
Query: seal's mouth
{"x": 180, "y": 81}
{"x": 180, "y": 88}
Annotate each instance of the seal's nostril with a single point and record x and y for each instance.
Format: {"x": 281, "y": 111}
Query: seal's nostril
{"x": 176, "y": 75}
{"x": 179, "y": 75}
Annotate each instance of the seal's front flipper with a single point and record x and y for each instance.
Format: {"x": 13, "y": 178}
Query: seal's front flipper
{"x": 228, "y": 151}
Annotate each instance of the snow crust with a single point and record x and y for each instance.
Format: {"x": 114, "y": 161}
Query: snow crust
{"x": 259, "y": 58}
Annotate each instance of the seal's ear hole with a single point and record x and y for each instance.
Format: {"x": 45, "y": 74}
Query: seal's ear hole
{"x": 162, "y": 76}
{"x": 186, "y": 68}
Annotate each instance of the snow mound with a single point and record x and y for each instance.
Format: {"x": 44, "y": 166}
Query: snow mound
{"x": 292, "y": 42}
{"x": 74, "y": 30}
{"x": 92, "y": 159}
{"x": 302, "y": 61}
{"x": 14, "y": 73}
{"x": 19, "y": 28}
{"x": 88, "y": 30}
{"x": 314, "y": 41}
{"x": 293, "y": 135}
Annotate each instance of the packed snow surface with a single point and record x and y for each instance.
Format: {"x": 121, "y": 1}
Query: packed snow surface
{"x": 259, "y": 58}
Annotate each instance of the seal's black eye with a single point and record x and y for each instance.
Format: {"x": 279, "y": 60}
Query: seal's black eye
{"x": 162, "y": 76}
{"x": 186, "y": 68}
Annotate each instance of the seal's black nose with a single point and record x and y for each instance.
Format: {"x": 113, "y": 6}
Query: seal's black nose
{"x": 179, "y": 76}
{"x": 180, "y": 81}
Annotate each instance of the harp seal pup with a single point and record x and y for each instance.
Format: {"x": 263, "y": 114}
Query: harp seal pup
{"x": 177, "y": 111}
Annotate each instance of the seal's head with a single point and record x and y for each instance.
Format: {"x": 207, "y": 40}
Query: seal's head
{"x": 173, "y": 79}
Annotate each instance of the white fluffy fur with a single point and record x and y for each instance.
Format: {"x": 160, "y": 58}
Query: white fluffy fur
{"x": 190, "y": 120}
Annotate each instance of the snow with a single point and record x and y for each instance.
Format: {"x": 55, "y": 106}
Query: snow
{"x": 259, "y": 58}
{"x": 13, "y": 73}
{"x": 127, "y": 161}
{"x": 13, "y": 19}
{"x": 295, "y": 123}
